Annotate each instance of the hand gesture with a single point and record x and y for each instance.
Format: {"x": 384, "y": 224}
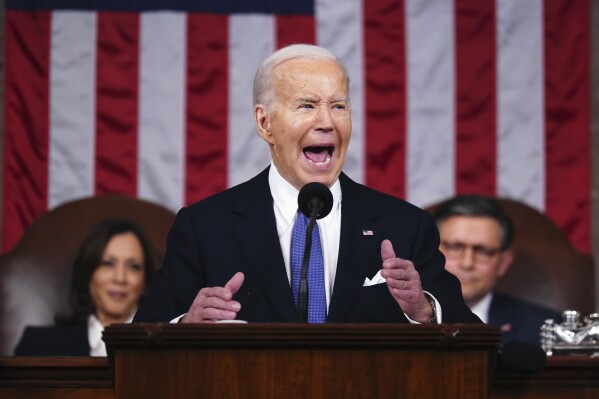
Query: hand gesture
{"x": 404, "y": 284}
{"x": 215, "y": 303}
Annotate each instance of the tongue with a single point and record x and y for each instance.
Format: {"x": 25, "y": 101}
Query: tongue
{"x": 316, "y": 155}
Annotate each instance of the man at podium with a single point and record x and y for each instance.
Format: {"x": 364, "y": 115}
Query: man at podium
{"x": 242, "y": 254}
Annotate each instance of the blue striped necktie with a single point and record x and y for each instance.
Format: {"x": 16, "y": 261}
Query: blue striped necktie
{"x": 317, "y": 304}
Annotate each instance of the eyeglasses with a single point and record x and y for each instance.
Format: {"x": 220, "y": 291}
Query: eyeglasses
{"x": 481, "y": 254}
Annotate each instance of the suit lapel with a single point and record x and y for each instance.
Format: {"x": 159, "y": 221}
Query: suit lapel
{"x": 259, "y": 240}
{"x": 358, "y": 248}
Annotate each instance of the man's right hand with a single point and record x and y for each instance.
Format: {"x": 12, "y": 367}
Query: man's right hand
{"x": 215, "y": 303}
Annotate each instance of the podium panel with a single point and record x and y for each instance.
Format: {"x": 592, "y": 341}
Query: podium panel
{"x": 301, "y": 361}
{"x": 55, "y": 378}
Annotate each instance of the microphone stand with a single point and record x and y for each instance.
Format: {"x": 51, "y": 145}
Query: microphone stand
{"x": 302, "y": 307}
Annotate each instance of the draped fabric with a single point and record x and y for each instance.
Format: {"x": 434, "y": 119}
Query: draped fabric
{"x": 153, "y": 99}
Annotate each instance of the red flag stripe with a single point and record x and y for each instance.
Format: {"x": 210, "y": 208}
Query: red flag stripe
{"x": 293, "y": 29}
{"x": 567, "y": 119}
{"x": 26, "y": 121}
{"x": 385, "y": 77}
{"x": 116, "y": 103}
{"x": 207, "y": 98}
{"x": 475, "y": 97}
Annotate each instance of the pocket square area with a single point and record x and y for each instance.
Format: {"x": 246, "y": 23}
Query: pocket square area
{"x": 377, "y": 279}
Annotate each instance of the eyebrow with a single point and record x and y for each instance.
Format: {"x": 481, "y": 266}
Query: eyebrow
{"x": 314, "y": 100}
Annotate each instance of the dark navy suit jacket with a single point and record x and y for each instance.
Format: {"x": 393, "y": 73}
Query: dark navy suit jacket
{"x": 235, "y": 230}
{"x": 54, "y": 341}
{"x": 519, "y": 320}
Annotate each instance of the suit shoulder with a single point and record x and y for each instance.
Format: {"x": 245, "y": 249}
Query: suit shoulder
{"x": 379, "y": 199}
{"x": 526, "y": 307}
{"x": 53, "y": 341}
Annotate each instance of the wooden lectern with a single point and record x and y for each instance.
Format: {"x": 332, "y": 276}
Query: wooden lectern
{"x": 260, "y": 360}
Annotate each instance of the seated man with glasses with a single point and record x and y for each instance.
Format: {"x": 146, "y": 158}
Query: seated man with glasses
{"x": 476, "y": 237}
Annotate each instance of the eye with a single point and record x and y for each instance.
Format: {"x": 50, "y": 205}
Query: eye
{"x": 487, "y": 252}
{"x": 106, "y": 263}
{"x": 306, "y": 106}
{"x": 451, "y": 246}
{"x": 136, "y": 267}
{"x": 340, "y": 106}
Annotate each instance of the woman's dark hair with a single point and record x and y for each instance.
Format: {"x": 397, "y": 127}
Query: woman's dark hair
{"x": 88, "y": 259}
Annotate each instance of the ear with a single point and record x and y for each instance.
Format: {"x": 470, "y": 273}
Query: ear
{"x": 507, "y": 258}
{"x": 262, "y": 119}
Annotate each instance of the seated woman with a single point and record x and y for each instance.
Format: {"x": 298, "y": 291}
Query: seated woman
{"x": 110, "y": 275}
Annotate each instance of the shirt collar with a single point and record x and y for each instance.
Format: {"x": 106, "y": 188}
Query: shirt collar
{"x": 285, "y": 196}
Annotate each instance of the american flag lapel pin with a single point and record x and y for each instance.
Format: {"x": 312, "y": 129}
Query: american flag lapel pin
{"x": 367, "y": 232}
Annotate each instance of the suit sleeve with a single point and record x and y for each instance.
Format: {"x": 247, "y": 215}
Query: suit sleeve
{"x": 176, "y": 284}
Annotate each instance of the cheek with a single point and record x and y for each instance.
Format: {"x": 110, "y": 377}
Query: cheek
{"x": 94, "y": 292}
{"x": 138, "y": 284}
{"x": 489, "y": 278}
{"x": 343, "y": 124}
{"x": 451, "y": 266}
{"x": 96, "y": 282}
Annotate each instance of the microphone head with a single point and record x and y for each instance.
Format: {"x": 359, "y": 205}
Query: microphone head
{"x": 522, "y": 357}
{"x": 315, "y": 197}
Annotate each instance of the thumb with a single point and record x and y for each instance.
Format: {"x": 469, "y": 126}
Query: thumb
{"x": 234, "y": 284}
{"x": 387, "y": 251}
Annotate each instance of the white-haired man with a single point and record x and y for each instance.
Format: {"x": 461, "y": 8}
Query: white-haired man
{"x": 228, "y": 256}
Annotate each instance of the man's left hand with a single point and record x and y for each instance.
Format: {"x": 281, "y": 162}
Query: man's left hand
{"x": 404, "y": 284}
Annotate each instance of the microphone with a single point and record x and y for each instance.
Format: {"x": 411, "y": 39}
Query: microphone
{"x": 315, "y": 201}
{"x": 522, "y": 357}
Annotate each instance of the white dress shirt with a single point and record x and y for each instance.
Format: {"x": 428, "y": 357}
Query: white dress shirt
{"x": 286, "y": 207}
{"x": 94, "y": 335}
{"x": 481, "y": 309}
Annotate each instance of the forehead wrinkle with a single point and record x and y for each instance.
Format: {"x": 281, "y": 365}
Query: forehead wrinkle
{"x": 309, "y": 99}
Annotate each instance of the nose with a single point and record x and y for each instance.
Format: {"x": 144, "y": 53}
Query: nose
{"x": 467, "y": 261}
{"x": 325, "y": 120}
{"x": 119, "y": 273}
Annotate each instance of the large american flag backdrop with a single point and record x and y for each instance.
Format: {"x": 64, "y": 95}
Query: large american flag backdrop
{"x": 153, "y": 99}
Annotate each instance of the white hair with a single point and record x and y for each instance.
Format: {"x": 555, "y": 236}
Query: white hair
{"x": 263, "y": 82}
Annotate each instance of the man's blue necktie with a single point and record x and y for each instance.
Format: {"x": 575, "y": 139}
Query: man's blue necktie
{"x": 317, "y": 303}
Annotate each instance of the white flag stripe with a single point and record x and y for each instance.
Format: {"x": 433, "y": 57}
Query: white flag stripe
{"x": 520, "y": 105}
{"x": 339, "y": 29}
{"x": 161, "y": 139}
{"x": 252, "y": 38}
{"x": 72, "y": 106}
{"x": 430, "y": 97}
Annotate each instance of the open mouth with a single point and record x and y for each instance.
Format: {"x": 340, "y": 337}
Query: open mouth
{"x": 319, "y": 154}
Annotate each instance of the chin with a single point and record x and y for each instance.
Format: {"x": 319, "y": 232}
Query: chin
{"x": 326, "y": 181}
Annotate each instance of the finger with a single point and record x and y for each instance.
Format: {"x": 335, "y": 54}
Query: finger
{"x": 211, "y": 314}
{"x": 218, "y": 292}
{"x": 218, "y": 303}
{"x": 404, "y": 285}
{"x": 387, "y": 251}
{"x": 235, "y": 282}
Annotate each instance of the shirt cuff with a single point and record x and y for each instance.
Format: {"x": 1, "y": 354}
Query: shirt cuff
{"x": 438, "y": 311}
{"x": 177, "y": 319}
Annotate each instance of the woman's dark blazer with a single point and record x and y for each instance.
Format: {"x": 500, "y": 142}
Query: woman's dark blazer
{"x": 54, "y": 341}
